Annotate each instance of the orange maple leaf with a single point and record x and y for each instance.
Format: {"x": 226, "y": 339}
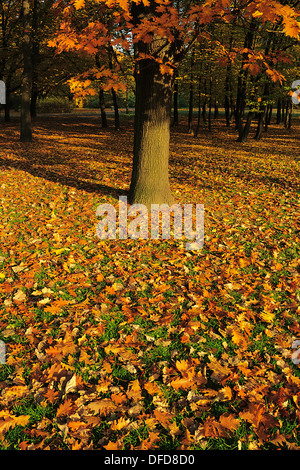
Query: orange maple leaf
{"x": 65, "y": 408}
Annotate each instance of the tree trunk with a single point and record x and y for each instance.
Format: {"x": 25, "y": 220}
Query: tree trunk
{"x": 116, "y": 109}
{"x": 246, "y": 129}
{"x": 102, "y": 109}
{"x": 242, "y": 81}
{"x": 288, "y": 115}
{"x": 7, "y": 104}
{"x": 216, "y": 113}
{"x": 204, "y": 102}
{"x": 191, "y": 99}
{"x": 199, "y": 107}
{"x": 26, "y": 133}
{"x": 35, "y": 57}
{"x": 175, "y": 105}
{"x": 260, "y": 124}
{"x": 34, "y": 96}
{"x": 268, "y": 116}
{"x": 278, "y": 115}
{"x": 209, "y": 104}
{"x": 150, "y": 179}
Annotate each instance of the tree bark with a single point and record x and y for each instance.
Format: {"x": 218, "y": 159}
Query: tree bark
{"x": 116, "y": 109}
{"x": 7, "y": 103}
{"x": 288, "y": 115}
{"x": 209, "y": 103}
{"x": 191, "y": 98}
{"x": 35, "y": 57}
{"x": 102, "y": 109}
{"x": 26, "y": 133}
{"x": 260, "y": 124}
{"x": 150, "y": 179}
{"x": 199, "y": 107}
{"x": 242, "y": 82}
{"x": 278, "y": 114}
{"x": 175, "y": 106}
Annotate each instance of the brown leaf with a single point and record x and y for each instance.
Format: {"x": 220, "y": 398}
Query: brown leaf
{"x": 65, "y": 408}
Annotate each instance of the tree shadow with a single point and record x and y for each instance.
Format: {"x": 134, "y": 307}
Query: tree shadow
{"x": 49, "y": 158}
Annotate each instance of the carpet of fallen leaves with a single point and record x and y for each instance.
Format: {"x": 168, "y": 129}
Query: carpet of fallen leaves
{"x": 137, "y": 344}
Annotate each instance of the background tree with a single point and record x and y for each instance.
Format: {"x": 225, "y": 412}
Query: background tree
{"x": 26, "y": 132}
{"x": 160, "y": 33}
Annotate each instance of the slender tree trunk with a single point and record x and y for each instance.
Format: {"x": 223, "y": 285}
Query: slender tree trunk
{"x": 279, "y": 107}
{"x": 204, "y": 102}
{"x": 260, "y": 124}
{"x": 116, "y": 109}
{"x": 150, "y": 179}
{"x": 199, "y": 107}
{"x": 288, "y": 115}
{"x": 216, "y": 113}
{"x": 209, "y": 103}
{"x": 175, "y": 105}
{"x": 246, "y": 128}
{"x": 268, "y": 116}
{"x": 126, "y": 101}
{"x": 242, "y": 82}
{"x": 102, "y": 108}
{"x": 227, "y": 108}
{"x": 26, "y": 133}
{"x": 113, "y": 92}
{"x": 191, "y": 99}
{"x": 33, "y": 101}
{"x": 35, "y": 56}
{"x": 262, "y": 113}
{"x": 7, "y": 103}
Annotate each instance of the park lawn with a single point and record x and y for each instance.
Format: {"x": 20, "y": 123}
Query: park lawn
{"x": 141, "y": 344}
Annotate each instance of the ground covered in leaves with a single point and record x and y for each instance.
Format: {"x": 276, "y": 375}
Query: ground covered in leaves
{"x": 137, "y": 344}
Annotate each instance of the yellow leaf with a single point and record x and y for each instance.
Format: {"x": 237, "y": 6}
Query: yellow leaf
{"x": 59, "y": 251}
{"x": 268, "y": 317}
{"x": 79, "y": 4}
{"x": 120, "y": 424}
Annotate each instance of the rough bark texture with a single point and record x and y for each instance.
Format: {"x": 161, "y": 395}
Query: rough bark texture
{"x": 26, "y": 134}
{"x": 150, "y": 180}
{"x": 154, "y": 90}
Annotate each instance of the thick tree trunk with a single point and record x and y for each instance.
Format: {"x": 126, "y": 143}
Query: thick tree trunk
{"x": 26, "y": 134}
{"x": 150, "y": 179}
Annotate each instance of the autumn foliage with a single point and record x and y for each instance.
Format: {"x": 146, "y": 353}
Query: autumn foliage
{"x": 126, "y": 344}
